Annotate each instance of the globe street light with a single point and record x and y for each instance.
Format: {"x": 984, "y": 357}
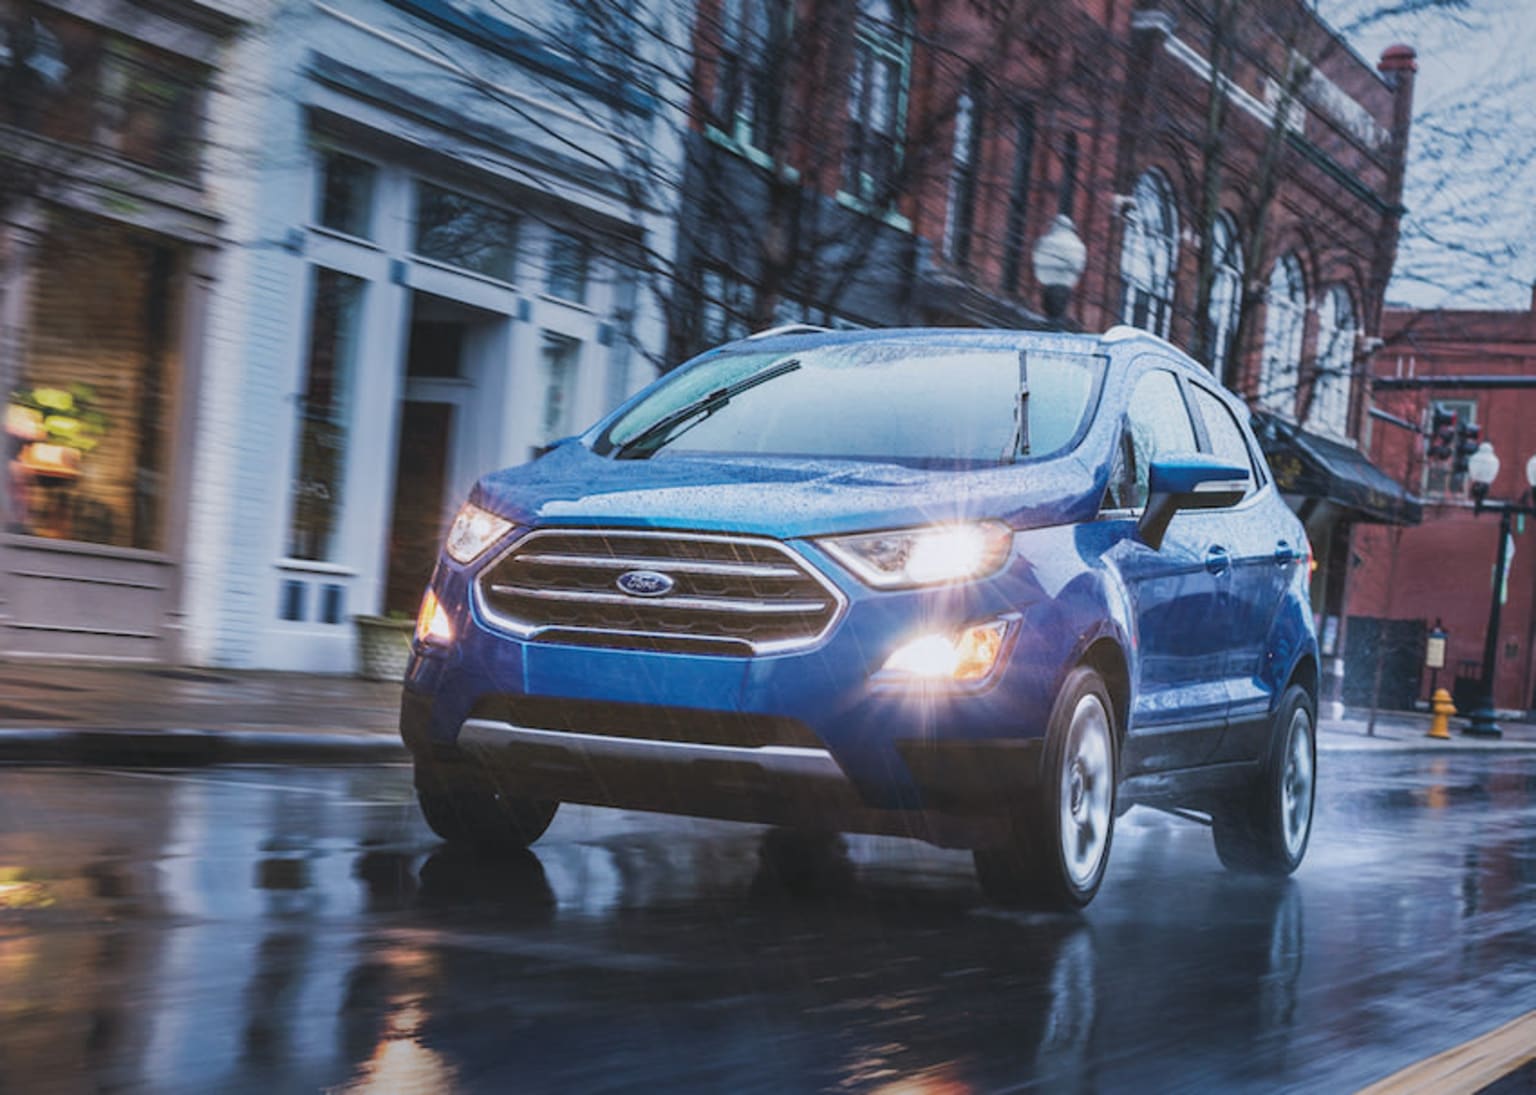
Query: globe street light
{"x": 1483, "y": 469}
{"x": 1059, "y": 257}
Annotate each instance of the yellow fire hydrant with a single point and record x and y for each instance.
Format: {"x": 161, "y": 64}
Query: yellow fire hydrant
{"x": 1440, "y": 703}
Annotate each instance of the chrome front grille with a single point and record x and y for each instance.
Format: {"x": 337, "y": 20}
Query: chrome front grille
{"x": 728, "y": 594}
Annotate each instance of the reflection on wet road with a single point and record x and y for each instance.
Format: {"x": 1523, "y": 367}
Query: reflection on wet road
{"x": 269, "y": 930}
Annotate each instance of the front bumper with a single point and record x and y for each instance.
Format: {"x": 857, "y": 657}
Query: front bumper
{"x": 771, "y": 738}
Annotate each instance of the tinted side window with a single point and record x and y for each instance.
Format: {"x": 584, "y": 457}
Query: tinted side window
{"x": 1157, "y": 424}
{"x": 1227, "y": 441}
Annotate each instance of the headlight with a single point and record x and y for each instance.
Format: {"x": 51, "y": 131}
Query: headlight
{"x": 925, "y": 556}
{"x": 474, "y": 530}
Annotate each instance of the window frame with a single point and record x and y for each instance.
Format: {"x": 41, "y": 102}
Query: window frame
{"x": 965, "y": 169}
{"x": 1016, "y": 232}
{"x": 1333, "y": 375}
{"x": 885, "y": 43}
{"x": 1283, "y": 346}
{"x": 1149, "y": 255}
{"x": 1226, "y": 302}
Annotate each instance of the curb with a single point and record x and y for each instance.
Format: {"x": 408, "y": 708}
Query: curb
{"x": 1407, "y": 747}
{"x": 186, "y": 747}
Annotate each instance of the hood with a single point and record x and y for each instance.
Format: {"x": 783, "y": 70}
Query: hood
{"x": 782, "y": 497}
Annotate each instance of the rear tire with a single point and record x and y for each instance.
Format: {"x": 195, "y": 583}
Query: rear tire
{"x": 1265, "y": 829}
{"x": 467, "y": 809}
{"x": 1060, "y": 840}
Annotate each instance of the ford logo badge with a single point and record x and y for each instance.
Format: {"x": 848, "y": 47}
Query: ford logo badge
{"x": 645, "y": 583}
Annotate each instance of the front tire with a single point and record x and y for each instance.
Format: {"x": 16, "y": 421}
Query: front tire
{"x": 1060, "y": 841}
{"x": 1265, "y": 831}
{"x": 468, "y": 810}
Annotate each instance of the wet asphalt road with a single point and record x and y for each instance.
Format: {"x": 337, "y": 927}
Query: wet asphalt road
{"x": 291, "y": 930}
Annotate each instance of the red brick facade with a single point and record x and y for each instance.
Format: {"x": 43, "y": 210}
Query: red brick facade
{"x": 1444, "y": 567}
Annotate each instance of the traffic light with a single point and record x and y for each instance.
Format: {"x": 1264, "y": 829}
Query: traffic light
{"x": 1442, "y": 432}
{"x": 1467, "y": 437}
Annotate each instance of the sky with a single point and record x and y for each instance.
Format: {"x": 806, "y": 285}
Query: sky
{"x": 1469, "y": 236}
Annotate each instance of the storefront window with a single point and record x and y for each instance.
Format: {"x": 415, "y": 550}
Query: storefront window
{"x": 87, "y": 423}
{"x": 463, "y": 231}
{"x": 324, "y": 401}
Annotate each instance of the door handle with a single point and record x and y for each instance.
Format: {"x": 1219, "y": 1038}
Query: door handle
{"x": 1216, "y": 559}
{"x": 1285, "y": 554}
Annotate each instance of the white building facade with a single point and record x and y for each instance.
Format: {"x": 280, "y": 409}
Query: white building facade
{"x": 437, "y": 236}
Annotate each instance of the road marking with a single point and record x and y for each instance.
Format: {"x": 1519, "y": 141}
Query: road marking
{"x": 1467, "y": 1068}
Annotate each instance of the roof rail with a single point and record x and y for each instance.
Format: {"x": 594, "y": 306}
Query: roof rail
{"x": 789, "y": 329}
{"x": 1124, "y": 332}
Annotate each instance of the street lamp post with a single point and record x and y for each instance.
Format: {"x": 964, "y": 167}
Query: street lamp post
{"x": 1483, "y": 468}
{"x": 1059, "y": 257}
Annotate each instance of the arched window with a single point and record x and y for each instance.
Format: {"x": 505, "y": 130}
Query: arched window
{"x": 1337, "y": 329}
{"x": 1285, "y": 314}
{"x": 1149, "y": 255}
{"x": 1226, "y": 295}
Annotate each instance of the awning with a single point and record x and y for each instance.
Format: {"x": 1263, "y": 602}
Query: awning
{"x": 1312, "y": 466}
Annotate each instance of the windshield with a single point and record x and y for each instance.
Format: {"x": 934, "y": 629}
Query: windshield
{"x": 902, "y": 403}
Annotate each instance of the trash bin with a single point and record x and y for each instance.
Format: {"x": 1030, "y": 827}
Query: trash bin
{"x": 1467, "y": 688}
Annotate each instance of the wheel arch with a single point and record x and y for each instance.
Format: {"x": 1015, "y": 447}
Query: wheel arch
{"x": 1105, "y": 656}
{"x": 1305, "y": 673}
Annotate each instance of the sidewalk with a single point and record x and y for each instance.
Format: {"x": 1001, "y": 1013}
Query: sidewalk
{"x": 64, "y": 714}
{"x": 160, "y": 715}
{"x": 1408, "y": 731}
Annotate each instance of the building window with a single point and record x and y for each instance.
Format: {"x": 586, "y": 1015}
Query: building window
{"x": 463, "y": 231}
{"x": 754, "y": 38}
{"x": 561, "y": 356}
{"x": 1337, "y": 330}
{"x": 877, "y": 100}
{"x": 1226, "y": 295}
{"x": 151, "y": 108}
{"x": 87, "y": 423}
{"x": 323, "y": 404}
{"x": 1018, "y": 196}
{"x": 723, "y": 310}
{"x": 600, "y": 32}
{"x": 1149, "y": 255}
{"x": 1066, "y": 197}
{"x": 570, "y": 261}
{"x": 1439, "y": 480}
{"x": 346, "y": 194}
{"x": 1285, "y": 315}
{"x": 965, "y": 168}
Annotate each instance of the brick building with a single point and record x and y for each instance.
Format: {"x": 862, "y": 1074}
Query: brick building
{"x": 1245, "y": 148}
{"x": 1479, "y": 364}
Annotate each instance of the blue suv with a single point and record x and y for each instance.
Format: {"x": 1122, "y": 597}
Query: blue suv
{"x": 984, "y": 588}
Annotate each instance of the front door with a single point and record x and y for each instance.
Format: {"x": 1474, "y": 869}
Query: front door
{"x": 1180, "y": 596}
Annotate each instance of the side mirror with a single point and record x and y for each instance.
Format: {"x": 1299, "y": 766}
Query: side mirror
{"x": 1194, "y": 481}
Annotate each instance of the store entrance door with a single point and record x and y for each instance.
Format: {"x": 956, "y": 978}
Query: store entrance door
{"x": 443, "y": 430}
{"x": 421, "y": 477}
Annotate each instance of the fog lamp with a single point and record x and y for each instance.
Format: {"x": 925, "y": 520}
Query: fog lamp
{"x": 432, "y": 623}
{"x": 967, "y": 655}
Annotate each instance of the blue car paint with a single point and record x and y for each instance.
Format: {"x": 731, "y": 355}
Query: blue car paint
{"x": 1075, "y": 579}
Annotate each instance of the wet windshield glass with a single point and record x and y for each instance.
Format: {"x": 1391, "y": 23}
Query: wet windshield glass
{"x": 924, "y": 404}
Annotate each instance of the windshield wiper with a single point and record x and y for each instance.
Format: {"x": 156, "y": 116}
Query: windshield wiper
{"x": 1019, "y": 445}
{"x": 658, "y": 433}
